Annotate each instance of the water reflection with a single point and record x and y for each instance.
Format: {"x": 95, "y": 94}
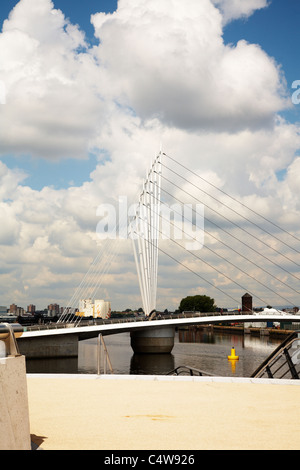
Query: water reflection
{"x": 232, "y": 363}
{"x": 208, "y": 349}
{"x": 146, "y": 364}
{"x": 52, "y": 366}
{"x": 202, "y": 349}
{"x": 195, "y": 335}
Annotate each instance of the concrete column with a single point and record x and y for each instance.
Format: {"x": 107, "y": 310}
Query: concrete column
{"x": 153, "y": 340}
{"x": 49, "y": 346}
{"x": 14, "y": 412}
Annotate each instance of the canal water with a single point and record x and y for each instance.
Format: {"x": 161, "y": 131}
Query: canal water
{"x": 198, "y": 348}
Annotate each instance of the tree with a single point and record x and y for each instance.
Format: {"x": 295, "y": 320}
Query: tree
{"x": 197, "y": 303}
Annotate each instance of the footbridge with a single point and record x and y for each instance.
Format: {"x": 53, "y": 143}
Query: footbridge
{"x": 109, "y": 327}
{"x": 270, "y": 282}
{"x": 61, "y": 339}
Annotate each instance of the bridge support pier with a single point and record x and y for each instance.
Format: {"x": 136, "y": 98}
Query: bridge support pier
{"x": 49, "y": 346}
{"x": 153, "y": 340}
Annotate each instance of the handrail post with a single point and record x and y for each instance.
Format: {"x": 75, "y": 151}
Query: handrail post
{"x": 101, "y": 345}
{"x": 98, "y": 355}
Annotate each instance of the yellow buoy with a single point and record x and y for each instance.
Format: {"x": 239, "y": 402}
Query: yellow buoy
{"x": 233, "y": 356}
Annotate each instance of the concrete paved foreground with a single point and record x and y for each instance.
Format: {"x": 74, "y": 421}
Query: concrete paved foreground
{"x": 90, "y": 412}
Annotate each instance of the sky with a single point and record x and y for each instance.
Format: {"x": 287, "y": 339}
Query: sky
{"x": 90, "y": 91}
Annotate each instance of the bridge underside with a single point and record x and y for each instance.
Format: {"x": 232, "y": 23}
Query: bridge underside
{"x": 143, "y": 341}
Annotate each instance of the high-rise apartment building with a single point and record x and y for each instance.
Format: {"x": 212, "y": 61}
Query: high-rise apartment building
{"x": 31, "y": 309}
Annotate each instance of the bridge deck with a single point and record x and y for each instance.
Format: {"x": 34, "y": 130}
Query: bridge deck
{"x": 162, "y": 413}
{"x": 113, "y": 327}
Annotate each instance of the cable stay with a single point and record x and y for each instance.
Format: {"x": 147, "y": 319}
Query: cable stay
{"x": 226, "y": 218}
{"x": 233, "y": 223}
{"x": 224, "y": 275}
{"x": 189, "y": 269}
{"x": 239, "y": 202}
{"x": 98, "y": 269}
{"x": 240, "y": 241}
{"x": 227, "y": 246}
{"x": 93, "y": 279}
{"x": 234, "y": 237}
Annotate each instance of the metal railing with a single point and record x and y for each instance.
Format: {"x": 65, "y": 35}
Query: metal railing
{"x": 283, "y": 362}
{"x": 108, "y": 321}
{"x": 187, "y": 370}
{"x": 135, "y": 319}
{"x": 8, "y": 334}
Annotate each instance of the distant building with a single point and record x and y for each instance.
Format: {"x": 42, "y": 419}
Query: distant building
{"x": 53, "y": 310}
{"x": 3, "y": 310}
{"x": 86, "y": 307}
{"x": 246, "y": 303}
{"x": 102, "y": 309}
{"x": 96, "y": 309}
{"x": 31, "y": 309}
{"x": 13, "y": 308}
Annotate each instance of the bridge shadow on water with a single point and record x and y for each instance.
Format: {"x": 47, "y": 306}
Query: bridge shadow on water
{"x": 139, "y": 364}
{"x": 149, "y": 364}
{"x": 52, "y": 366}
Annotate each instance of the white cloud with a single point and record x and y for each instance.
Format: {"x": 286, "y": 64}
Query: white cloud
{"x": 160, "y": 74}
{"x": 171, "y": 63}
{"x": 51, "y": 108}
{"x": 234, "y": 9}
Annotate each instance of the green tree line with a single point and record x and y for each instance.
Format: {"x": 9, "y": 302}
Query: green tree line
{"x": 197, "y": 303}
